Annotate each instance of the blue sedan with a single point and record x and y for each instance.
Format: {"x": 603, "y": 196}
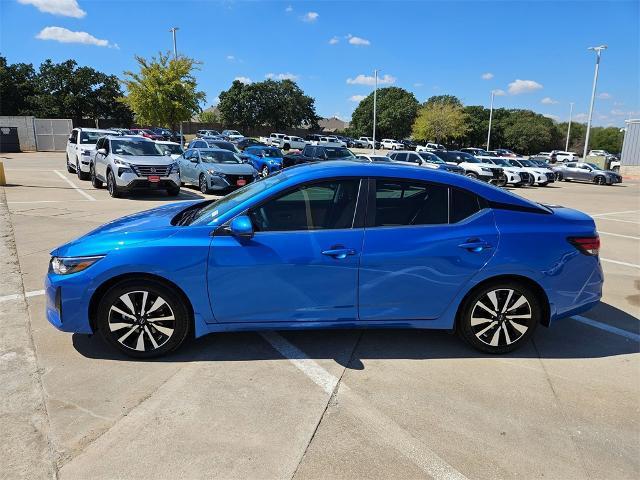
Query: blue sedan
{"x": 265, "y": 160}
{"x": 337, "y": 244}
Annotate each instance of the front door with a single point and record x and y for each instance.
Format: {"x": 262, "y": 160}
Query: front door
{"x": 301, "y": 264}
{"x": 423, "y": 243}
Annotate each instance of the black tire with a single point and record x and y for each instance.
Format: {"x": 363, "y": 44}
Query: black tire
{"x": 600, "y": 180}
{"x": 491, "y": 330}
{"x": 79, "y": 172}
{"x": 112, "y": 186}
{"x": 202, "y": 184}
{"x": 264, "y": 172}
{"x": 559, "y": 177}
{"x": 531, "y": 181}
{"x": 543, "y": 184}
{"x": 471, "y": 175}
{"x": 286, "y": 147}
{"x": 140, "y": 334}
{"x": 94, "y": 180}
{"x": 69, "y": 169}
{"x": 173, "y": 191}
{"x": 616, "y": 169}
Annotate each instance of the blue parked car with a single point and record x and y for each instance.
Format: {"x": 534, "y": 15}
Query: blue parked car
{"x": 330, "y": 245}
{"x": 265, "y": 160}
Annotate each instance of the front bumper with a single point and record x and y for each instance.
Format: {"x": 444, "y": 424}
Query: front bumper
{"x": 67, "y": 303}
{"x": 218, "y": 182}
{"x": 127, "y": 180}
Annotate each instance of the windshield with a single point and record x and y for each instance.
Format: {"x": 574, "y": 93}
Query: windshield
{"x": 233, "y": 132}
{"x": 594, "y": 166}
{"x": 501, "y": 162}
{"x": 213, "y": 211}
{"x": 338, "y": 152}
{"x": 430, "y": 157}
{"x": 378, "y": 158}
{"x": 141, "y": 148}
{"x": 224, "y": 145}
{"x": 514, "y": 163}
{"x": 271, "y": 152}
{"x": 168, "y": 147}
{"x": 528, "y": 163}
{"x": 91, "y": 137}
{"x": 219, "y": 156}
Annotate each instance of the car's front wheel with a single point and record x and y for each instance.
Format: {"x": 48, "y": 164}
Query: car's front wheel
{"x": 112, "y": 186}
{"x": 79, "y": 172}
{"x": 600, "y": 180}
{"x": 499, "y": 317}
{"x": 202, "y": 183}
{"x": 143, "y": 318}
{"x": 69, "y": 169}
{"x": 94, "y": 180}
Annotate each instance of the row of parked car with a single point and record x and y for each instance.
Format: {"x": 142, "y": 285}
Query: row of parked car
{"x": 131, "y": 162}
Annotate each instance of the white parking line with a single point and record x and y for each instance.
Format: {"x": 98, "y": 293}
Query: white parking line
{"x": 603, "y": 326}
{"x": 75, "y": 187}
{"x": 16, "y": 296}
{"x": 617, "y": 262}
{"x": 388, "y": 430}
{"x": 618, "y": 220}
{"x": 614, "y": 213}
{"x": 618, "y": 235}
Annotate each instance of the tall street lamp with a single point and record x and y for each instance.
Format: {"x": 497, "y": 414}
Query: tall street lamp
{"x": 598, "y": 51}
{"x": 375, "y": 101}
{"x": 493, "y": 94}
{"x": 566, "y": 148}
{"x": 173, "y": 30}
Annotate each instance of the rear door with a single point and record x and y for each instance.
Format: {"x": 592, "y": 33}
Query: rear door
{"x": 72, "y": 144}
{"x": 423, "y": 242}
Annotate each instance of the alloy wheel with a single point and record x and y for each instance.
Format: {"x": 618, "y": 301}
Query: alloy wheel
{"x": 501, "y": 317}
{"x": 203, "y": 184}
{"x": 599, "y": 180}
{"x": 265, "y": 171}
{"x": 141, "y": 320}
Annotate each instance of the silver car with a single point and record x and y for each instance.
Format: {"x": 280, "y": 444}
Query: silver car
{"x": 586, "y": 172}
{"x": 215, "y": 169}
{"x": 133, "y": 163}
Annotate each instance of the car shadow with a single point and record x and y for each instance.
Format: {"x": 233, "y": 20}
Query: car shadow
{"x": 162, "y": 195}
{"x": 566, "y": 339}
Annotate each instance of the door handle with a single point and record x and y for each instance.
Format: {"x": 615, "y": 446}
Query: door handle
{"x": 475, "y": 245}
{"x": 339, "y": 252}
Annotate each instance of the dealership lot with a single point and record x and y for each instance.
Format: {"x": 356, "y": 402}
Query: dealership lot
{"x": 325, "y": 404}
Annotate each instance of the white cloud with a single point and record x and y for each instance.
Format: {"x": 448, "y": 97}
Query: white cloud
{"x": 231, "y": 58}
{"x": 605, "y": 96}
{"x": 310, "y": 17}
{"x": 580, "y": 117}
{"x": 552, "y": 117}
{"x": 548, "y": 101}
{"x": 289, "y": 9}
{"x": 418, "y": 84}
{"x": 618, "y": 104}
{"x": 523, "y": 86}
{"x": 64, "y": 8}
{"x": 621, "y": 113}
{"x": 358, "y": 41}
{"x": 63, "y": 35}
{"x": 487, "y": 76}
{"x": 370, "y": 80}
{"x": 281, "y": 76}
{"x": 499, "y": 93}
{"x": 357, "y": 98}
{"x": 334, "y": 40}
{"x": 245, "y": 80}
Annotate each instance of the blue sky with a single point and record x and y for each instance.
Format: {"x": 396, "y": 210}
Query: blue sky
{"x": 534, "y": 53}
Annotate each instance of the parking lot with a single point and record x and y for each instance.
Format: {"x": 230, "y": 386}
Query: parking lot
{"x": 315, "y": 404}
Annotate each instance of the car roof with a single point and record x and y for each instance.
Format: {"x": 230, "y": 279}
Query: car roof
{"x": 129, "y": 137}
{"x": 99, "y": 130}
{"x": 166, "y": 142}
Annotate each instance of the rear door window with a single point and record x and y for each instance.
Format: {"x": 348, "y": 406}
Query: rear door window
{"x": 399, "y": 203}
{"x": 463, "y": 204}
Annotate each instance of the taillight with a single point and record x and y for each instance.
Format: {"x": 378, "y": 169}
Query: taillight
{"x": 586, "y": 245}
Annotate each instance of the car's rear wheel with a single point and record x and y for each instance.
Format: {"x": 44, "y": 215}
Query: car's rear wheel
{"x": 599, "y": 180}
{"x": 202, "y": 183}
{"x": 79, "y": 172}
{"x": 499, "y": 317}
{"x": 69, "y": 169}
{"x": 559, "y": 177}
{"x": 530, "y": 181}
{"x": 112, "y": 187}
{"x": 472, "y": 175}
{"x": 143, "y": 318}
{"x": 94, "y": 180}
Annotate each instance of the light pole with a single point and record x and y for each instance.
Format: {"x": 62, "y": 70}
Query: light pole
{"x": 493, "y": 93}
{"x": 375, "y": 101}
{"x": 566, "y": 148}
{"x": 598, "y": 51}
{"x": 173, "y": 30}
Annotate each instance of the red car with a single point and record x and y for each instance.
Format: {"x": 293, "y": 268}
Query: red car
{"x": 146, "y": 133}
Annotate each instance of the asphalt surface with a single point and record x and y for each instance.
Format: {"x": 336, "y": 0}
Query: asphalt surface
{"x": 317, "y": 404}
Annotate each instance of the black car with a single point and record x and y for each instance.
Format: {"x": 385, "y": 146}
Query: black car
{"x": 317, "y": 153}
{"x": 248, "y": 142}
{"x": 165, "y": 133}
{"x": 408, "y": 144}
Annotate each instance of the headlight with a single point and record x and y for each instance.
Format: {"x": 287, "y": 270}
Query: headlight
{"x": 85, "y": 152}
{"x": 485, "y": 169}
{"x": 117, "y": 161}
{"x": 174, "y": 168}
{"x": 215, "y": 172}
{"x": 67, "y": 265}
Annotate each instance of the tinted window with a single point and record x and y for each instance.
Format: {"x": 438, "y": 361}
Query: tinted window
{"x": 463, "y": 205}
{"x": 400, "y": 157}
{"x": 318, "y": 206}
{"x": 406, "y": 203}
{"x": 141, "y": 148}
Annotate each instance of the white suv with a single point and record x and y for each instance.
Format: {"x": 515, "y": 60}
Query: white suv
{"x": 133, "y": 163}
{"x": 80, "y": 147}
{"x": 391, "y": 144}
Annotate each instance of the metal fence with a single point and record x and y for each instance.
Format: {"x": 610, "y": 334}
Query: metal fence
{"x": 52, "y": 133}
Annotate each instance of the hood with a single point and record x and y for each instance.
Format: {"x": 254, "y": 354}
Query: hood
{"x": 140, "y": 227}
{"x": 450, "y": 168}
{"x": 87, "y": 146}
{"x": 145, "y": 160}
{"x": 230, "y": 168}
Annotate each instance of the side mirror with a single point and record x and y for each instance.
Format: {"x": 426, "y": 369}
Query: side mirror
{"x": 194, "y": 159}
{"x": 241, "y": 227}
{"x": 167, "y": 153}
{"x": 102, "y": 151}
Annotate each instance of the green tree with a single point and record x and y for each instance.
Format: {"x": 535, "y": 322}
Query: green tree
{"x": 478, "y": 123}
{"x": 209, "y": 116}
{"x": 17, "y": 88}
{"x": 277, "y": 104}
{"x": 440, "y": 121}
{"x": 396, "y": 112}
{"x": 164, "y": 92}
{"x": 528, "y": 132}
{"x": 606, "y": 138}
{"x": 444, "y": 100}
